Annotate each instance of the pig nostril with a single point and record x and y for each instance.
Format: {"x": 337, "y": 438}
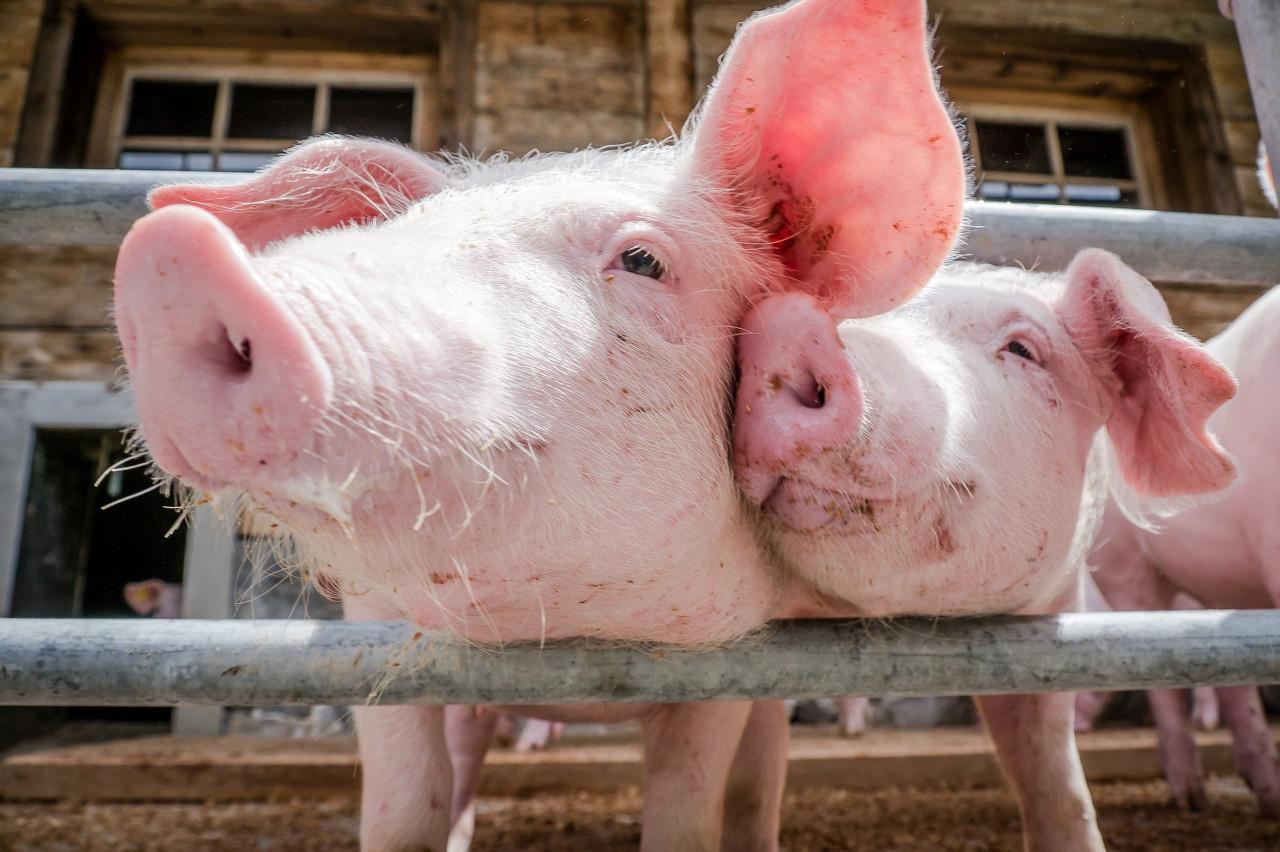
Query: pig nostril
{"x": 810, "y": 394}
{"x": 236, "y": 357}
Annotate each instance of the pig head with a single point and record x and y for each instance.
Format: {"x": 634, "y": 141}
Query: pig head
{"x": 493, "y": 397}
{"x": 934, "y": 460}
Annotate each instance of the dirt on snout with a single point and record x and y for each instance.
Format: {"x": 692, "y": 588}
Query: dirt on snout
{"x": 1134, "y": 817}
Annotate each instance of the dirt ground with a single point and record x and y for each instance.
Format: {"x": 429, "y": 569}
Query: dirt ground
{"x": 1134, "y": 817}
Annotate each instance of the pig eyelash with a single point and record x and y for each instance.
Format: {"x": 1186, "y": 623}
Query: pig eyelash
{"x": 638, "y": 261}
{"x": 1024, "y": 349}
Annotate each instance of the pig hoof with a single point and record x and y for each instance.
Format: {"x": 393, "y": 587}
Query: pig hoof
{"x": 1194, "y": 800}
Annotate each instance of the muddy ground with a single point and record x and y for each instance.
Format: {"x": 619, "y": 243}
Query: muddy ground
{"x": 1134, "y": 817}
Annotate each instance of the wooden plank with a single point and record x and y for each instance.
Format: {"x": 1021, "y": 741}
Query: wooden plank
{"x": 564, "y": 87}
{"x": 59, "y": 355}
{"x": 55, "y": 286}
{"x": 668, "y": 66}
{"x": 457, "y": 74}
{"x": 255, "y": 768}
{"x": 44, "y": 94}
{"x": 520, "y": 131}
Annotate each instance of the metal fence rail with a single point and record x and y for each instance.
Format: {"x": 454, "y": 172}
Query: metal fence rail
{"x": 167, "y": 662}
{"x": 88, "y": 207}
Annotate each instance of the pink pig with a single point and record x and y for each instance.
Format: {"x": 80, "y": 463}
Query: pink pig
{"x": 943, "y": 460}
{"x": 1225, "y": 554}
{"x": 493, "y": 397}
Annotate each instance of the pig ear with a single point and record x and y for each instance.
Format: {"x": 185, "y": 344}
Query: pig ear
{"x": 319, "y": 184}
{"x": 1164, "y": 385}
{"x": 826, "y": 121}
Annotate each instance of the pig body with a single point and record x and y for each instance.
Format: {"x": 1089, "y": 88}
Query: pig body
{"x": 494, "y": 398}
{"x": 1224, "y": 553}
{"x": 944, "y": 460}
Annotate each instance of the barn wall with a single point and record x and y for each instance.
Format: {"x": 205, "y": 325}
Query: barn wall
{"x": 558, "y": 76}
{"x": 518, "y": 75}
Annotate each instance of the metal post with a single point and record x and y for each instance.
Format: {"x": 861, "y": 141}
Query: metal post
{"x": 1258, "y": 26}
{"x": 166, "y": 662}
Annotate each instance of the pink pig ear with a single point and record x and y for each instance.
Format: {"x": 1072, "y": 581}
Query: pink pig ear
{"x": 827, "y": 121}
{"x": 319, "y": 184}
{"x": 1164, "y": 384}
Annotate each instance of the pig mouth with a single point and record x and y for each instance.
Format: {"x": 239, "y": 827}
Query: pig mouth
{"x": 803, "y": 506}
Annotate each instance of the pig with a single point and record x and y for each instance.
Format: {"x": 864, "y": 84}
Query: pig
{"x": 1204, "y": 704}
{"x": 945, "y": 459}
{"x": 154, "y": 598}
{"x": 1224, "y": 553}
{"x": 854, "y": 716}
{"x": 493, "y": 398}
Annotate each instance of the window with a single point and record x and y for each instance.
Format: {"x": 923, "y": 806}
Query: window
{"x": 220, "y": 115}
{"x": 1056, "y": 158}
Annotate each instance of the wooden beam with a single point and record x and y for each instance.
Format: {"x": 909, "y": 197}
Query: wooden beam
{"x": 668, "y": 50}
{"x": 457, "y": 74}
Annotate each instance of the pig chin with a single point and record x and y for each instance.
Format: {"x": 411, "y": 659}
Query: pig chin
{"x": 802, "y": 507}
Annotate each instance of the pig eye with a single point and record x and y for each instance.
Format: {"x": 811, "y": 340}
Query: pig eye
{"x": 1022, "y": 350}
{"x": 637, "y": 261}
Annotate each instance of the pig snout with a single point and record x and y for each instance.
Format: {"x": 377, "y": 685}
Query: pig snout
{"x": 228, "y": 383}
{"x": 798, "y": 396}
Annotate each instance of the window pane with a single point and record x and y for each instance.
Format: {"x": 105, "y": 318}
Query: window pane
{"x": 166, "y": 108}
{"x": 1101, "y": 196}
{"x": 1009, "y": 147}
{"x": 244, "y": 161}
{"x": 177, "y": 161}
{"x": 997, "y": 190}
{"x": 271, "y": 112}
{"x": 384, "y": 113}
{"x": 1094, "y": 152}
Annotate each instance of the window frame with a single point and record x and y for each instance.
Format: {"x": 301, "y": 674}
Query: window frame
{"x": 322, "y": 69}
{"x": 1120, "y": 116}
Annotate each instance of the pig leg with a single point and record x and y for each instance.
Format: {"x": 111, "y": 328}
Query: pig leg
{"x": 753, "y": 801}
{"x": 1255, "y": 751}
{"x": 1179, "y": 757}
{"x": 469, "y": 730}
{"x": 1036, "y": 746}
{"x": 1132, "y": 583}
{"x": 1089, "y": 706}
{"x": 688, "y": 750}
{"x": 1204, "y": 708}
{"x": 538, "y": 734}
{"x": 854, "y": 715}
{"x": 407, "y": 778}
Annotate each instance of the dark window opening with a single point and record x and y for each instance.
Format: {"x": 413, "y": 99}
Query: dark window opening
{"x": 75, "y": 558}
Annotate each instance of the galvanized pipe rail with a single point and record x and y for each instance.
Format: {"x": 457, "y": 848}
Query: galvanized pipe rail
{"x": 95, "y": 208}
{"x": 243, "y": 662}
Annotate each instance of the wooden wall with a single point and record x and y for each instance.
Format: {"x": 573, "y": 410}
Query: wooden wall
{"x": 517, "y": 75}
{"x": 19, "y": 26}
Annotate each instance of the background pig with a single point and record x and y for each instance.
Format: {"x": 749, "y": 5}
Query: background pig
{"x": 155, "y": 598}
{"x": 1225, "y": 553}
{"x": 493, "y": 397}
{"x": 939, "y": 460}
